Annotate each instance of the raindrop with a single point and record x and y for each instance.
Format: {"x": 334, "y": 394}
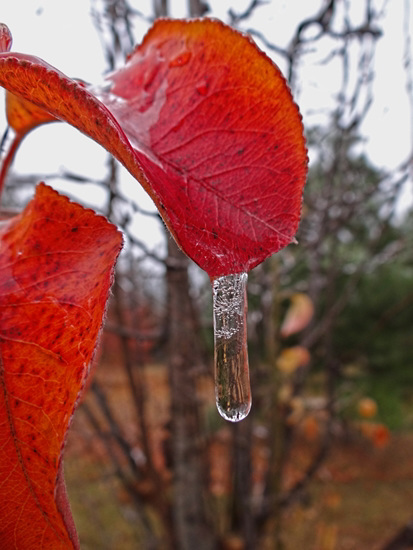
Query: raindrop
{"x": 180, "y": 60}
{"x": 202, "y": 88}
{"x": 232, "y": 382}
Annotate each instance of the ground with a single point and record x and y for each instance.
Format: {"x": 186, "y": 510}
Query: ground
{"x": 359, "y": 498}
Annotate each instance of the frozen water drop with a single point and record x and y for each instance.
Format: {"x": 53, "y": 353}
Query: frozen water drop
{"x": 180, "y": 60}
{"x": 232, "y": 381}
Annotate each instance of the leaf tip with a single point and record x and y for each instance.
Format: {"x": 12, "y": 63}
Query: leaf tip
{"x": 5, "y": 38}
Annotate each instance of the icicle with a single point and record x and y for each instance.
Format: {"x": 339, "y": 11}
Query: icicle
{"x": 232, "y": 381}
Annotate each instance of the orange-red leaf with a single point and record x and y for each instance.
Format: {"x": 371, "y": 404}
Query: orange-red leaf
{"x": 5, "y": 38}
{"x": 56, "y": 261}
{"x": 206, "y": 122}
{"x": 378, "y": 433}
{"x": 367, "y": 407}
{"x": 23, "y": 115}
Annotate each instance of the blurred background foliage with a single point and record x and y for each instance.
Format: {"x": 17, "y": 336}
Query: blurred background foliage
{"x": 149, "y": 462}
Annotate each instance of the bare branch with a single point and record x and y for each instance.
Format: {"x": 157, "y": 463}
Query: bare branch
{"x": 235, "y": 18}
{"x": 198, "y": 8}
{"x": 114, "y": 27}
{"x": 160, "y": 8}
{"x": 269, "y": 45}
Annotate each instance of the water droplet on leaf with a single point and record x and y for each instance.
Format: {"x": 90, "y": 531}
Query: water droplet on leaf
{"x": 202, "y": 88}
{"x": 232, "y": 381}
{"x": 180, "y": 60}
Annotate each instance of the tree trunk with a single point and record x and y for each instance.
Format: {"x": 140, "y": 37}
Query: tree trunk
{"x": 402, "y": 540}
{"x": 243, "y": 521}
{"x": 161, "y": 8}
{"x": 188, "y": 499}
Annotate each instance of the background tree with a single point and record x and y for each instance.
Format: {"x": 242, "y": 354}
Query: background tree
{"x": 353, "y": 263}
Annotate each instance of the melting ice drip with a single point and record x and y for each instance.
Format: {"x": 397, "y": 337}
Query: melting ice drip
{"x": 232, "y": 380}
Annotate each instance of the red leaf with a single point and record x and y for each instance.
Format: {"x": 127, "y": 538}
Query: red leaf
{"x": 56, "y": 261}
{"x": 206, "y": 122}
{"x": 5, "y": 38}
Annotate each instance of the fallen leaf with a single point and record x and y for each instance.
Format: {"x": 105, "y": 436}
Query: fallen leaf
{"x": 206, "y": 122}
{"x": 311, "y": 428}
{"x": 381, "y": 436}
{"x": 56, "y": 262}
{"x": 378, "y": 433}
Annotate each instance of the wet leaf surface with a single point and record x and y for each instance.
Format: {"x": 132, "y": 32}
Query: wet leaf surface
{"x": 56, "y": 262}
{"x": 206, "y": 122}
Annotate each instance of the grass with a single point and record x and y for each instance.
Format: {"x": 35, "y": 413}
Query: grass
{"x": 102, "y": 520}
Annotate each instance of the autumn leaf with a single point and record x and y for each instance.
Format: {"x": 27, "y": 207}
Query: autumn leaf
{"x": 23, "y": 115}
{"x": 5, "y": 38}
{"x": 56, "y": 262}
{"x": 206, "y": 122}
{"x": 376, "y": 432}
{"x": 299, "y": 314}
{"x": 292, "y": 358}
{"x": 311, "y": 427}
{"x": 367, "y": 407}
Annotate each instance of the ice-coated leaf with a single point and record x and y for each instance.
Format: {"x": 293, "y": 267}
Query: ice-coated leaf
{"x": 206, "y": 122}
{"x": 56, "y": 262}
{"x": 23, "y": 115}
{"x": 5, "y": 38}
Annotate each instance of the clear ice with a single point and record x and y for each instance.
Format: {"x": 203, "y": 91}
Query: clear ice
{"x": 232, "y": 380}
